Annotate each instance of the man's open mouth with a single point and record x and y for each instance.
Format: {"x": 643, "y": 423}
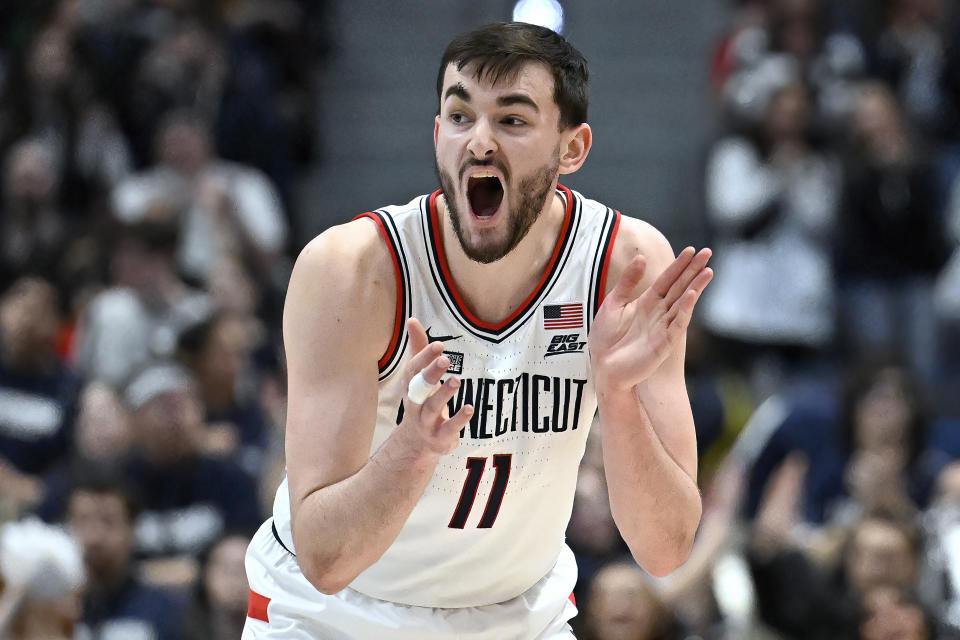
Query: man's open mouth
{"x": 485, "y": 193}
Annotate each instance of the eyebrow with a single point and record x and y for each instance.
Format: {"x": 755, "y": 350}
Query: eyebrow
{"x": 461, "y": 92}
{"x": 517, "y": 98}
{"x": 457, "y": 90}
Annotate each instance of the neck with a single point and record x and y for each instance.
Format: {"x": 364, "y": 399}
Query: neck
{"x": 493, "y": 291}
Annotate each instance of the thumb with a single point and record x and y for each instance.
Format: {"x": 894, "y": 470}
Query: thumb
{"x": 629, "y": 280}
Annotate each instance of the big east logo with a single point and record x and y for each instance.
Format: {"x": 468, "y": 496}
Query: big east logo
{"x": 569, "y": 343}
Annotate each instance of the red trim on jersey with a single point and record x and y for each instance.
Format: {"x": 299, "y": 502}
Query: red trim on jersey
{"x": 445, "y": 271}
{"x": 257, "y": 606}
{"x": 606, "y": 260}
{"x": 573, "y": 599}
{"x": 398, "y": 317}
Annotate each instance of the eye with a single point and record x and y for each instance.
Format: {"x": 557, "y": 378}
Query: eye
{"x": 458, "y": 118}
{"x": 514, "y": 121}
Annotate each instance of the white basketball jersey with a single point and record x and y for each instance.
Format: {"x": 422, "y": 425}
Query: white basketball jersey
{"x": 491, "y": 522}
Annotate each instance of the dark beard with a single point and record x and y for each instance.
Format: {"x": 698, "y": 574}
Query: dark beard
{"x": 533, "y": 191}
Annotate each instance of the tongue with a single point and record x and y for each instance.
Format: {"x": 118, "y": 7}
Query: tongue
{"x": 485, "y": 196}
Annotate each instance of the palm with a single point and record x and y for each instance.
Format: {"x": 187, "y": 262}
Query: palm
{"x": 632, "y": 336}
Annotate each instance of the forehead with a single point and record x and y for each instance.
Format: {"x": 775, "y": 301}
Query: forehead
{"x": 532, "y": 78}
{"x": 85, "y": 500}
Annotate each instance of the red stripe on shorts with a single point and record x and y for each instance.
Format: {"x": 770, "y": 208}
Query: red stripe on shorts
{"x": 257, "y": 608}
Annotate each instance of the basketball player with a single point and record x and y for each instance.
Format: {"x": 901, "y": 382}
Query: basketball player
{"x": 446, "y": 358}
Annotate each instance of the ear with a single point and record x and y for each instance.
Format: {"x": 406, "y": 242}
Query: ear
{"x": 574, "y": 146}
{"x": 436, "y": 129}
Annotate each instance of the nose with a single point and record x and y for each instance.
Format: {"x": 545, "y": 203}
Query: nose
{"x": 482, "y": 141}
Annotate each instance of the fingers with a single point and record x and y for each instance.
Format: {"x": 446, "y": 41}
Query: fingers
{"x": 418, "y": 337}
{"x": 686, "y": 277}
{"x": 662, "y": 284}
{"x": 438, "y": 403}
{"x": 681, "y": 311}
{"x": 439, "y": 399}
{"x": 622, "y": 293}
{"x": 445, "y": 436}
{"x": 423, "y": 352}
{"x": 422, "y": 383}
{"x": 454, "y": 424}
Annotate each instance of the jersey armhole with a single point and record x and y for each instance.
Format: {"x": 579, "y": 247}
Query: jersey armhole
{"x": 390, "y": 357}
{"x": 605, "y": 253}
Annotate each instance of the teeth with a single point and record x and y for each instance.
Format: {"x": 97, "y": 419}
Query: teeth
{"x": 483, "y": 174}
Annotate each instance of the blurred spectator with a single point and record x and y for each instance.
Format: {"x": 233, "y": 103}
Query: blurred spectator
{"x": 624, "y": 606}
{"x": 228, "y": 209}
{"x": 884, "y": 428}
{"x": 794, "y": 595}
{"x": 117, "y": 604}
{"x": 782, "y": 41}
{"x": 218, "y": 353}
{"x": 41, "y": 577}
{"x": 773, "y": 202}
{"x": 190, "y": 496}
{"x": 37, "y": 392}
{"x": 882, "y": 552}
{"x": 720, "y": 398}
{"x": 940, "y": 576}
{"x": 908, "y": 55}
{"x": 947, "y": 291}
{"x": 32, "y": 228}
{"x": 185, "y": 68}
{"x": 220, "y": 605}
{"x": 591, "y": 532}
{"x": 141, "y": 316}
{"x": 232, "y": 289}
{"x": 102, "y": 442}
{"x": 55, "y": 102}
{"x": 52, "y": 89}
{"x": 892, "y": 613}
{"x": 864, "y": 439}
{"x": 891, "y": 243}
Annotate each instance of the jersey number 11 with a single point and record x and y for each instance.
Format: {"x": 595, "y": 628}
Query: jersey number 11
{"x": 475, "y": 467}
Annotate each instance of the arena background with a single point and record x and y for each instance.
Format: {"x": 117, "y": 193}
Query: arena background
{"x": 164, "y": 161}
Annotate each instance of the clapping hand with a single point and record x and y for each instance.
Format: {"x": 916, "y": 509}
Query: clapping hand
{"x": 633, "y": 334}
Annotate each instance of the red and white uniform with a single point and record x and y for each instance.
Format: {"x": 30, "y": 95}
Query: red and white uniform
{"x": 489, "y": 527}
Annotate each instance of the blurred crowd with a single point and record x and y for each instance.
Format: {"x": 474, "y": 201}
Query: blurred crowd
{"x": 825, "y": 369}
{"x": 149, "y": 151}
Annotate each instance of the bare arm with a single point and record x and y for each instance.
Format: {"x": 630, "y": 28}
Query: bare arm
{"x": 347, "y": 506}
{"x": 637, "y": 355}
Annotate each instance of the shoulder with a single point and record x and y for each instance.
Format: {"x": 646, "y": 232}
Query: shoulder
{"x": 635, "y": 237}
{"x": 344, "y": 256}
{"x": 344, "y": 283}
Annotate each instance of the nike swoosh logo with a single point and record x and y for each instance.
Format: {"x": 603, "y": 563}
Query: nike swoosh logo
{"x": 431, "y": 338}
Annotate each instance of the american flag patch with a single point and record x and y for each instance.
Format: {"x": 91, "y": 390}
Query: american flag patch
{"x": 563, "y": 316}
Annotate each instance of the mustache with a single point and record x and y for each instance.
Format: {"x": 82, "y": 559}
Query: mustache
{"x": 473, "y": 162}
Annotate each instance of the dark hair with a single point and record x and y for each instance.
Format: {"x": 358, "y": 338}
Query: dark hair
{"x": 861, "y": 378}
{"x": 106, "y": 482}
{"x": 501, "y": 49}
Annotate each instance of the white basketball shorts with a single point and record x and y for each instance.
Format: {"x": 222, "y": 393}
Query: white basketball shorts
{"x": 284, "y": 605}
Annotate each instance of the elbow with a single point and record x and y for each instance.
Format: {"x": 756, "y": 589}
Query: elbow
{"x": 664, "y": 561}
{"x": 661, "y": 553}
{"x": 325, "y": 575}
